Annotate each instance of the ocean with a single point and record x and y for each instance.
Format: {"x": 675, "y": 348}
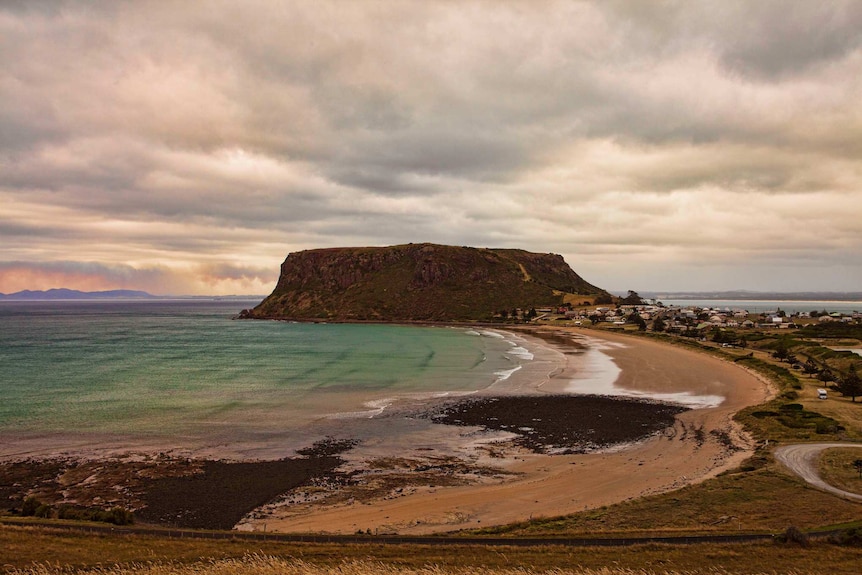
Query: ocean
{"x": 761, "y": 306}
{"x": 184, "y": 373}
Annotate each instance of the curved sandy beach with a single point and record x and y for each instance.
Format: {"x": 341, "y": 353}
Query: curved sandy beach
{"x": 696, "y": 448}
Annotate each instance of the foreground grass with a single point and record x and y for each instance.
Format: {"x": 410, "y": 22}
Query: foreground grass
{"x": 30, "y": 551}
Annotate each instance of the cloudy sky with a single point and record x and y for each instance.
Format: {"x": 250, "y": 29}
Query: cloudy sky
{"x": 188, "y": 147}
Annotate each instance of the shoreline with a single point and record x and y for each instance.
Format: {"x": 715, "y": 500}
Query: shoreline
{"x": 700, "y": 444}
{"x": 458, "y": 478}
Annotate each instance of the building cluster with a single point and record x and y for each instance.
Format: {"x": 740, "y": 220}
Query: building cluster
{"x": 678, "y": 318}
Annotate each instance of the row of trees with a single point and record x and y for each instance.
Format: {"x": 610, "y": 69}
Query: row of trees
{"x": 848, "y": 384}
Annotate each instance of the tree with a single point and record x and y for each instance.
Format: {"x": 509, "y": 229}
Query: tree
{"x": 858, "y": 465}
{"x": 850, "y": 385}
{"x": 632, "y": 299}
{"x": 826, "y": 375}
{"x": 810, "y": 367}
{"x": 743, "y": 342}
{"x": 658, "y": 325}
{"x": 636, "y": 319}
{"x": 781, "y": 353}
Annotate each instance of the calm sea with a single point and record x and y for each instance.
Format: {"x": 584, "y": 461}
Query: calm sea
{"x": 760, "y": 306}
{"x": 175, "y": 368}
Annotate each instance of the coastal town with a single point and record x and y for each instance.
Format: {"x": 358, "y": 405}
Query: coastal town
{"x": 653, "y": 315}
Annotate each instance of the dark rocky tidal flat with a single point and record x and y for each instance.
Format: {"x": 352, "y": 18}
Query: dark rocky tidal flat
{"x": 563, "y": 423}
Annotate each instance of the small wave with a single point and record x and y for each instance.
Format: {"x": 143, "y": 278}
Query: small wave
{"x": 520, "y": 352}
{"x": 505, "y": 374}
{"x": 494, "y": 334}
{"x": 441, "y": 394}
{"x": 376, "y": 406}
{"x": 689, "y": 399}
{"x": 683, "y": 398}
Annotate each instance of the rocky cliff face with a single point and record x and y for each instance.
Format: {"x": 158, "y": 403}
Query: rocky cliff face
{"x": 417, "y": 282}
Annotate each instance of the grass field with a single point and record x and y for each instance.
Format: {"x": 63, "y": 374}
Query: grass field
{"x": 58, "y": 552}
{"x": 836, "y": 468}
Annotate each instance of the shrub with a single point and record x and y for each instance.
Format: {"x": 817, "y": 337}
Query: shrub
{"x": 826, "y": 426}
{"x": 43, "y": 511}
{"x": 791, "y": 407}
{"x": 793, "y": 536}
{"x": 849, "y": 537}
{"x": 120, "y": 516}
{"x": 29, "y": 507}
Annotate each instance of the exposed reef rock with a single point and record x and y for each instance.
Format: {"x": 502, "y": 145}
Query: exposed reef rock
{"x": 418, "y": 282}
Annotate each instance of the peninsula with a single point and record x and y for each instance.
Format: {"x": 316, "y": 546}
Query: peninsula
{"x": 420, "y": 282}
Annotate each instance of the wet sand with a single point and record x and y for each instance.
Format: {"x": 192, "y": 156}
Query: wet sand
{"x": 700, "y": 444}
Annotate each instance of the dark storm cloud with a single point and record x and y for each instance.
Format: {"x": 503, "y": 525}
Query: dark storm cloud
{"x": 781, "y": 38}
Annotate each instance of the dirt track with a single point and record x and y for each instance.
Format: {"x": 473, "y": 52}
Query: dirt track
{"x": 801, "y": 459}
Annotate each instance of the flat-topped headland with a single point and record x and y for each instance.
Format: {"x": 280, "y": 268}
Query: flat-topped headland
{"x": 419, "y": 282}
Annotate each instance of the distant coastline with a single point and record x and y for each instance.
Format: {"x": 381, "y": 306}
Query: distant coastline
{"x": 63, "y": 294}
{"x": 71, "y": 294}
{"x": 755, "y": 295}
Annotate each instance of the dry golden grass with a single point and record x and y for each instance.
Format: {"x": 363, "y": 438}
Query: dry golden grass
{"x": 31, "y": 551}
{"x": 836, "y": 468}
{"x": 267, "y": 565}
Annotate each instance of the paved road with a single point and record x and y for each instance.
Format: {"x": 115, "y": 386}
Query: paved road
{"x": 802, "y": 458}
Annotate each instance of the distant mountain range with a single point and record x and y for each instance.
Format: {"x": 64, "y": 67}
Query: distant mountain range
{"x": 758, "y": 295}
{"x": 71, "y": 294}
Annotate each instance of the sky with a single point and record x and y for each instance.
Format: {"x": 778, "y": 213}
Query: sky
{"x": 189, "y": 147}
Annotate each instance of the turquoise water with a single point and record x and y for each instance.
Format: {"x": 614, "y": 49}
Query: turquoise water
{"x": 174, "y": 367}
